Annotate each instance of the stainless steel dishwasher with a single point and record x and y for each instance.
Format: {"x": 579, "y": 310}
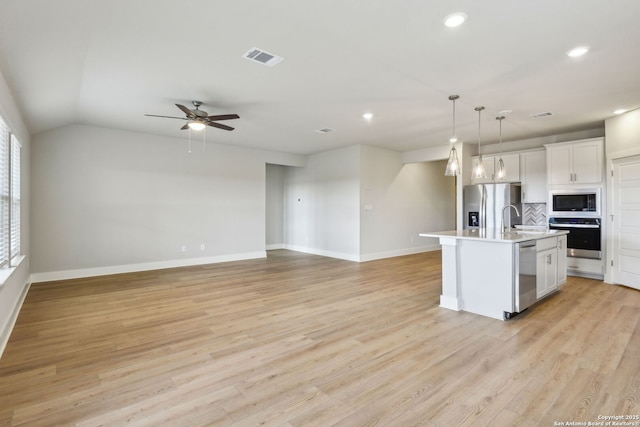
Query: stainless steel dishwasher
{"x": 524, "y": 292}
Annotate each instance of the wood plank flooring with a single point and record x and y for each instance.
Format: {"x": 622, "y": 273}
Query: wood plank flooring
{"x": 302, "y": 340}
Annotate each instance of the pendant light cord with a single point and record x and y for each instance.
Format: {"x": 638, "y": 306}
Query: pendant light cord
{"x": 479, "y": 110}
{"x": 453, "y": 138}
{"x": 453, "y": 129}
{"x": 500, "y": 118}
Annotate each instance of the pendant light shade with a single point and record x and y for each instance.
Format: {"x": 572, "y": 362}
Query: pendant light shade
{"x": 501, "y": 172}
{"x": 453, "y": 167}
{"x": 479, "y": 171}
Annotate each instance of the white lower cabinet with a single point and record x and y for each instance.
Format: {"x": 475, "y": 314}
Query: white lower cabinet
{"x": 562, "y": 260}
{"x": 551, "y": 264}
{"x": 546, "y": 272}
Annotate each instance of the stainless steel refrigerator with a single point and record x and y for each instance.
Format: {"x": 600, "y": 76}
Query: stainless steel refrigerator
{"x": 483, "y": 205}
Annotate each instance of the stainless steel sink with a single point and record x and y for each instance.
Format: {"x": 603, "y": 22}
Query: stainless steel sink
{"x": 532, "y": 229}
{"x": 525, "y": 231}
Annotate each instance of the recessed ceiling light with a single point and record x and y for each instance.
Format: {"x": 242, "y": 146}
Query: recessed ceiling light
{"x": 620, "y": 111}
{"x": 505, "y": 112}
{"x": 455, "y": 19}
{"x": 367, "y": 116}
{"x": 577, "y": 51}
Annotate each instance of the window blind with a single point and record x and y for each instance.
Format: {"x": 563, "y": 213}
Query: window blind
{"x": 4, "y": 194}
{"x": 14, "y": 214}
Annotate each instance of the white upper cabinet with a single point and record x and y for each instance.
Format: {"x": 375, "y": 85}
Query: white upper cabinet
{"x": 579, "y": 162}
{"x": 511, "y": 166}
{"x": 533, "y": 175}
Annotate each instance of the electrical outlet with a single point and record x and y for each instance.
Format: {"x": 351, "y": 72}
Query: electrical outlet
{"x": 202, "y": 247}
{"x": 183, "y": 249}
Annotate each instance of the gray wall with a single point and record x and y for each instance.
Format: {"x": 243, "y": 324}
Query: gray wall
{"x": 402, "y": 200}
{"x": 15, "y": 282}
{"x": 362, "y": 203}
{"x": 321, "y": 205}
{"x": 108, "y": 200}
{"x": 623, "y": 135}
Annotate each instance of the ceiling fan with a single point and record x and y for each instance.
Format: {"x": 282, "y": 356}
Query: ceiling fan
{"x": 197, "y": 119}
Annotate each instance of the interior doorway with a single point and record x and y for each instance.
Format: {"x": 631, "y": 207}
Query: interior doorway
{"x": 274, "y": 203}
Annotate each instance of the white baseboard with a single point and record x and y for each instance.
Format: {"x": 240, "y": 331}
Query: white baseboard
{"x": 8, "y": 328}
{"x": 131, "y": 268}
{"x": 330, "y": 254}
{"x": 364, "y": 257}
{"x": 275, "y": 246}
{"x": 398, "y": 252}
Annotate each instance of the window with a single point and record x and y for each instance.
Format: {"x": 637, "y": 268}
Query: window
{"x": 9, "y": 195}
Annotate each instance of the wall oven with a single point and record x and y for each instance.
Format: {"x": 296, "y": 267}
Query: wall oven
{"x": 574, "y": 203}
{"x": 584, "y": 238}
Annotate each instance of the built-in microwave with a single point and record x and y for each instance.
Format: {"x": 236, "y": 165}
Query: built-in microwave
{"x": 582, "y": 202}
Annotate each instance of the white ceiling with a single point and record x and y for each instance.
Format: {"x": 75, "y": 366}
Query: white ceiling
{"x": 107, "y": 63}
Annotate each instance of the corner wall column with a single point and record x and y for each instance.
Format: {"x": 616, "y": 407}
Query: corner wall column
{"x": 450, "y": 292}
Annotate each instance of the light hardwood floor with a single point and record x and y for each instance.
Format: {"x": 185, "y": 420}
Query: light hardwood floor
{"x": 302, "y": 340}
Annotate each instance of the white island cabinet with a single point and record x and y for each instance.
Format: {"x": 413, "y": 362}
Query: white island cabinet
{"x": 481, "y": 269}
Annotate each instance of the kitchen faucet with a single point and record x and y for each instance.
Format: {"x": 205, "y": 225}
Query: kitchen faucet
{"x": 504, "y": 230}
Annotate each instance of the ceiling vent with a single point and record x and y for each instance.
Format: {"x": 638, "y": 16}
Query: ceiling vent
{"x": 540, "y": 115}
{"x": 325, "y": 130}
{"x": 262, "y": 57}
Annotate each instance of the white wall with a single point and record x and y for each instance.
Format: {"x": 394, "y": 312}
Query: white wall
{"x": 16, "y": 285}
{"x": 322, "y": 202}
{"x": 107, "y": 201}
{"x": 399, "y": 201}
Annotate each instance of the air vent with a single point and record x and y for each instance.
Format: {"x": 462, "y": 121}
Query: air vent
{"x": 262, "y": 57}
{"x": 540, "y": 115}
{"x": 325, "y": 130}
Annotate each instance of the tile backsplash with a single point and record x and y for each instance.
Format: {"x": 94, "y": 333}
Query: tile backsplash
{"x": 534, "y": 213}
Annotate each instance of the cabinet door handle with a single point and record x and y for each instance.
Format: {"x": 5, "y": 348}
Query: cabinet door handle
{"x": 548, "y": 259}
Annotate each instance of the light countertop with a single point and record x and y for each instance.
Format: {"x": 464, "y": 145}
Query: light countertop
{"x": 495, "y": 235}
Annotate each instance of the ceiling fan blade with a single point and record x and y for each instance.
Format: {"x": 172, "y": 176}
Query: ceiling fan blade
{"x": 219, "y": 126}
{"x": 185, "y": 127}
{"x": 224, "y": 117}
{"x": 186, "y": 110}
{"x": 167, "y": 117}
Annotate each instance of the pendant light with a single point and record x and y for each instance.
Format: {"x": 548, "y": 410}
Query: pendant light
{"x": 501, "y": 173}
{"x": 479, "y": 171}
{"x": 453, "y": 167}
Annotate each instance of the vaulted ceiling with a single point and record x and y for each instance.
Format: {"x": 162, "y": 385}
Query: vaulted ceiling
{"x": 108, "y": 63}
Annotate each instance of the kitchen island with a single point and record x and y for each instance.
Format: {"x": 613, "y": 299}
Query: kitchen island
{"x": 496, "y": 274}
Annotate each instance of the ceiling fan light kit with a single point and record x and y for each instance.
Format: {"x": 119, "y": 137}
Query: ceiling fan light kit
{"x": 198, "y": 120}
{"x": 196, "y": 125}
